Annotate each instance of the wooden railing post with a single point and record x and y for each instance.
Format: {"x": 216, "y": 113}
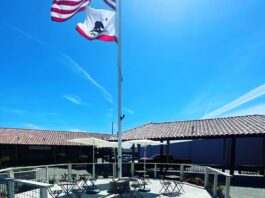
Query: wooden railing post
{"x": 181, "y": 172}
{"x": 10, "y": 184}
{"x": 206, "y": 177}
{"x": 11, "y": 173}
{"x": 94, "y": 170}
{"x": 70, "y": 171}
{"x": 114, "y": 170}
{"x": 10, "y": 189}
{"x": 215, "y": 182}
{"x": 47, "y": 174}
{"x": 155, "y": 171}
{"x": 227, "y": 186}
{"x": 132, "y": 168}
{"x": 43, "y": 193}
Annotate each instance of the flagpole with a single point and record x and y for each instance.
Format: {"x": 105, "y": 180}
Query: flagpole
{"x": 118, "y": 28}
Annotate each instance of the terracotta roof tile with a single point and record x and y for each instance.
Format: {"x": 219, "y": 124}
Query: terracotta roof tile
{"x": 217, "y": 127}
{"x": 42, "y": 137}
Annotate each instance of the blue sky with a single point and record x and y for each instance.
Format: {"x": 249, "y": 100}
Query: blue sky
{"x": 181, "y": 60}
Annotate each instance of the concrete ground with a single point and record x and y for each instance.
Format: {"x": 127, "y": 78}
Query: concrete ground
{"x": 190, "y": 191}
{"x": 245, "y": 192}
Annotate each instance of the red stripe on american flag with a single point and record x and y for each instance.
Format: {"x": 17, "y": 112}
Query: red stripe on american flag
{"x": 65, "y": 9}
{"x": 57, "y": 19}
{"x": 70, "y": 3}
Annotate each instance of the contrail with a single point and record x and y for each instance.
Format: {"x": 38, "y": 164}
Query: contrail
{"x": 74, "y": 99}
{"x": 83, "y": 72}
{"x": 78, "y": 68}
{"x": 29, "y": 36}
{"x": 251, "y": 95}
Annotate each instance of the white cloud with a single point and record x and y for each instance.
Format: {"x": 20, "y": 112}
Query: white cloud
{"x": 74, "y": 99}
{"x": 79, "y": 69}
{"x": 76, "y": 130}
{"x": 32, "y": 126}
{"x": 13, "y": 111}
{"x": 128, "y": 110}
{"x": 257, "y": 109}
{"x": 251, "y": 95}
{"x": 110, "y": 113}
{"x": 29, "y": 36}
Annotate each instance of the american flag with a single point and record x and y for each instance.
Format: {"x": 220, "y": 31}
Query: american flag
{"x": 111, "y": 3}
{"x": 62, "y": 10}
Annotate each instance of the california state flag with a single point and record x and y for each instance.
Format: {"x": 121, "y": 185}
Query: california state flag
{"x": 99, "y": 24}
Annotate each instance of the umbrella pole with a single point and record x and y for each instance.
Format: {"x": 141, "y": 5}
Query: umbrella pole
{"x": 114, "y": 163}
{"x": 144, "y": 161}
{"x": 145, "y": 189}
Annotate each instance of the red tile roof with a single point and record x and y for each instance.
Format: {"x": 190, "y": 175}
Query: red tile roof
{"x": 42, "y": 137}
{"x": 206, "y": 128}
{"x": 219, "y": 127}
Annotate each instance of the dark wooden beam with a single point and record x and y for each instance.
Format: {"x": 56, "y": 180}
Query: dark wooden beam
{"x": 133, "y": 152}
{"x": 161, "y": 148}
{"x": 139, "y": 151}
{"x": 102, "y": 155}
{"x": 168, "y": 142}
{"x": 224, "y": 154}
{"x": 232, "y": 155}
{"x": 110, "y": 153}
{"x": 161, "y": 153}
{"x": 263, "y": 169}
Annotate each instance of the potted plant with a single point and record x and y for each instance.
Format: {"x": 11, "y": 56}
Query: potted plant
{"x": 3, "y": 194}
{"x": 5, "y": 159}
{"x": 83, "y": 158}
{"x": 220, "y": 190}
{"x": 52, "y": 180}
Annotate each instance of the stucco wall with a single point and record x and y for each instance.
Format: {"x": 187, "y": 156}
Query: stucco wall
{"x": 249, "y": 151}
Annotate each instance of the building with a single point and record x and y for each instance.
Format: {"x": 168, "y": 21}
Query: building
{"x": 35, "y": 147}
{"x": 232, "y": 142}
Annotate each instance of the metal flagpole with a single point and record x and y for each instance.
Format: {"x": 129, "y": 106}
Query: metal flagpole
{"x": 93, "y": 165}
{"x": 118, "y": 29}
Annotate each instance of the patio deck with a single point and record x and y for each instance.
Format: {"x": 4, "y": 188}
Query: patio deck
{"x": 190, "y": 190}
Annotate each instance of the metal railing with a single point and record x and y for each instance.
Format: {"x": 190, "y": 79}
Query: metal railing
{"x": 39, "y": 176}
{"x": 10, "y": 187}
{"x": 216, "y": 173}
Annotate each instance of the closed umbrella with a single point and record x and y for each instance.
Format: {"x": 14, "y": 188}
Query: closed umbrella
{"x": 95, "y": 142}
{"x": 115, "y": 145}
{"x": 145, "y": 143}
